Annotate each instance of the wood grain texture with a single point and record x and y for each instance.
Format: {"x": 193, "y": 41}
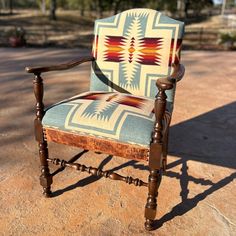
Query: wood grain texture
{"x": 107, "y": 146}
{"x": 45, "y": 177}
{"x": 154, "y": 181}
{"x": 64, "y": 66}
{"x": 167, "y": 83}
{"x": 98, "y": 172}
{"x": 156, "y": 152}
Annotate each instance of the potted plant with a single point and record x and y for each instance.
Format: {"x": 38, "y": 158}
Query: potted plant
{"x": 228, "y": 40}
{"x": 16, "y": 37}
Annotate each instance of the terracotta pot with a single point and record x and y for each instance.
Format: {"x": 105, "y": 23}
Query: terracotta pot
{"x": 16, "y": 41}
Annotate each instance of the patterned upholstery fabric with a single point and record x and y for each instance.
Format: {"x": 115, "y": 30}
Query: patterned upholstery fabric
{"x": 133, "y": 49}
{"x": 111, "y": 115}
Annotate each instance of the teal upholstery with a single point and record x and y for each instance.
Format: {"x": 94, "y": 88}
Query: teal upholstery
{"x": 111, "y": 115}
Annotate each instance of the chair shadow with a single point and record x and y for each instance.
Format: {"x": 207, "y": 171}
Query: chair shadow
{"x": 207, "y": 138}
{"x": 90, "y": 179}
{"x": 204, "y": 137}
{"x": 186, "y": 203}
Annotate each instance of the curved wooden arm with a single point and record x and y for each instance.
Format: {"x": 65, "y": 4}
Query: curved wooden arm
{"x": 64, "y": 66}
{"x": 167, "y": 82}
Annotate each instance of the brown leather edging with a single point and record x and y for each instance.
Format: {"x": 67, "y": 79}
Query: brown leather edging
{"x": 130, "y": 151}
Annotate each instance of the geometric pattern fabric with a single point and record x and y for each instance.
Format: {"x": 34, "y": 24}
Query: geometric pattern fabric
{"x": 111, "y": 115}
{"x": 133, "y": 49}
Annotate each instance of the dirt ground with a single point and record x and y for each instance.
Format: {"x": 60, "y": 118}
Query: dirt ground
{"x": 197, "y": 195}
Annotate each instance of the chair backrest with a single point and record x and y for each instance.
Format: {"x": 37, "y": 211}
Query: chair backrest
{"x": 134, "y": 48}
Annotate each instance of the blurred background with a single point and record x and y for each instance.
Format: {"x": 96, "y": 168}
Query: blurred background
{"x": 210, "y": 24}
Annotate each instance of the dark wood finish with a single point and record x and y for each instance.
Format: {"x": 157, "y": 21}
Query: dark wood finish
{"x": 156, "y": 150}
{"x": 178, "y": 72}
{"x": 154, "y": 181}
{"x": 107, "y": 146}
{"x": 155, "y": 147}
{"x": 65, "y": 66}
{"x": 168, "y": 82}
{"x": 156, "y": 154}
{"x": 45, "y": 177}
{"x": 167, "y": 119}
{"x": 98, "y": 172}
{"x": 71, "y": 160}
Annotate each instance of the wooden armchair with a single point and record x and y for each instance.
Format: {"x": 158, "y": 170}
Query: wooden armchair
{"x": 124, "y": 114}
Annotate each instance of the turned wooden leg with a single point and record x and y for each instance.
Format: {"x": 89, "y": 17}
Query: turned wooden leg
{"x": 155, "y": 159}
{"x": 151, "y": 205}
{"x": 45, "y": 177}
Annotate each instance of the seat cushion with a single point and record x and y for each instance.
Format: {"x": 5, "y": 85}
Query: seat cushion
{"x": 110, "y": 115}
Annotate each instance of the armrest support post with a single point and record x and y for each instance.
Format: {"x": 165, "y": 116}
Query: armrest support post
{"x": 155, "y": 157}
{"x": 39, "y": 106}
{"x": 159, "y": 108}
{"x": 45, "y": 177}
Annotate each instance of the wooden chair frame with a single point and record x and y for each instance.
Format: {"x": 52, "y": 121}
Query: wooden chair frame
{"x": 156, "y": 155}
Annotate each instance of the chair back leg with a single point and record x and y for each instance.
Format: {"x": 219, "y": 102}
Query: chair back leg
{"x": 165, "y": 150}
{"x": 45, "y": 177}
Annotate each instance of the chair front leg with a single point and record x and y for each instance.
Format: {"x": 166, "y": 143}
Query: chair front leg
{"x": 45, "y": 177}
{"x": 155, "y": 157}
{"x": 154, "y": 181}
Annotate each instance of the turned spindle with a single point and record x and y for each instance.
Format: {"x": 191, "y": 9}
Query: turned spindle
{"x": 98, "y": 172}
{"x": 45, "y": 177}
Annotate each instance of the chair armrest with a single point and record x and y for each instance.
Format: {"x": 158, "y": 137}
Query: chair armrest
{"x": 64, "y": 66}
{"x": 168, "y": 82}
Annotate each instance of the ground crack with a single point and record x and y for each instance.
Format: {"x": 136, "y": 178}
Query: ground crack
{"x": 222, "y": 215}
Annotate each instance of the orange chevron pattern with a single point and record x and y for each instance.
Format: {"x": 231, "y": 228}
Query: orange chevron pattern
{"x": 114, "y": 48}
{"x": 148, "y": 54}
{"x": 177, "y": 51}
{"x": 127, "y": 100}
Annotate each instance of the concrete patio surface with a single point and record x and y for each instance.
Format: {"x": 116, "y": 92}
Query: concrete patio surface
{"x": 197, "y": 195}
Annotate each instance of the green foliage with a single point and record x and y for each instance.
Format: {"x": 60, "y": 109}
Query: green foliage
{"x": 228, "y": 40}
{"x": 17, "y": 32}
{"x": 228, "y": 37}
{"x": 21, "y": 3}
{"x": 197, "y": 6}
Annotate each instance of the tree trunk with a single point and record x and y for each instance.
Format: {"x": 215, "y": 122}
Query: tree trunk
{"x": 100, "y": 8}
{"x": 186, "y": 7}
{"x": 11, "y": 7}
{"x": 43, "y": 7}
{"x": 3, "y": 4}
{"x": 181, "y": 7}
{"x": 82, "y": 8}
{"x": 117, "y": 6}
{"x": 223, "y": 7}
{"x": 53, "y": 7}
